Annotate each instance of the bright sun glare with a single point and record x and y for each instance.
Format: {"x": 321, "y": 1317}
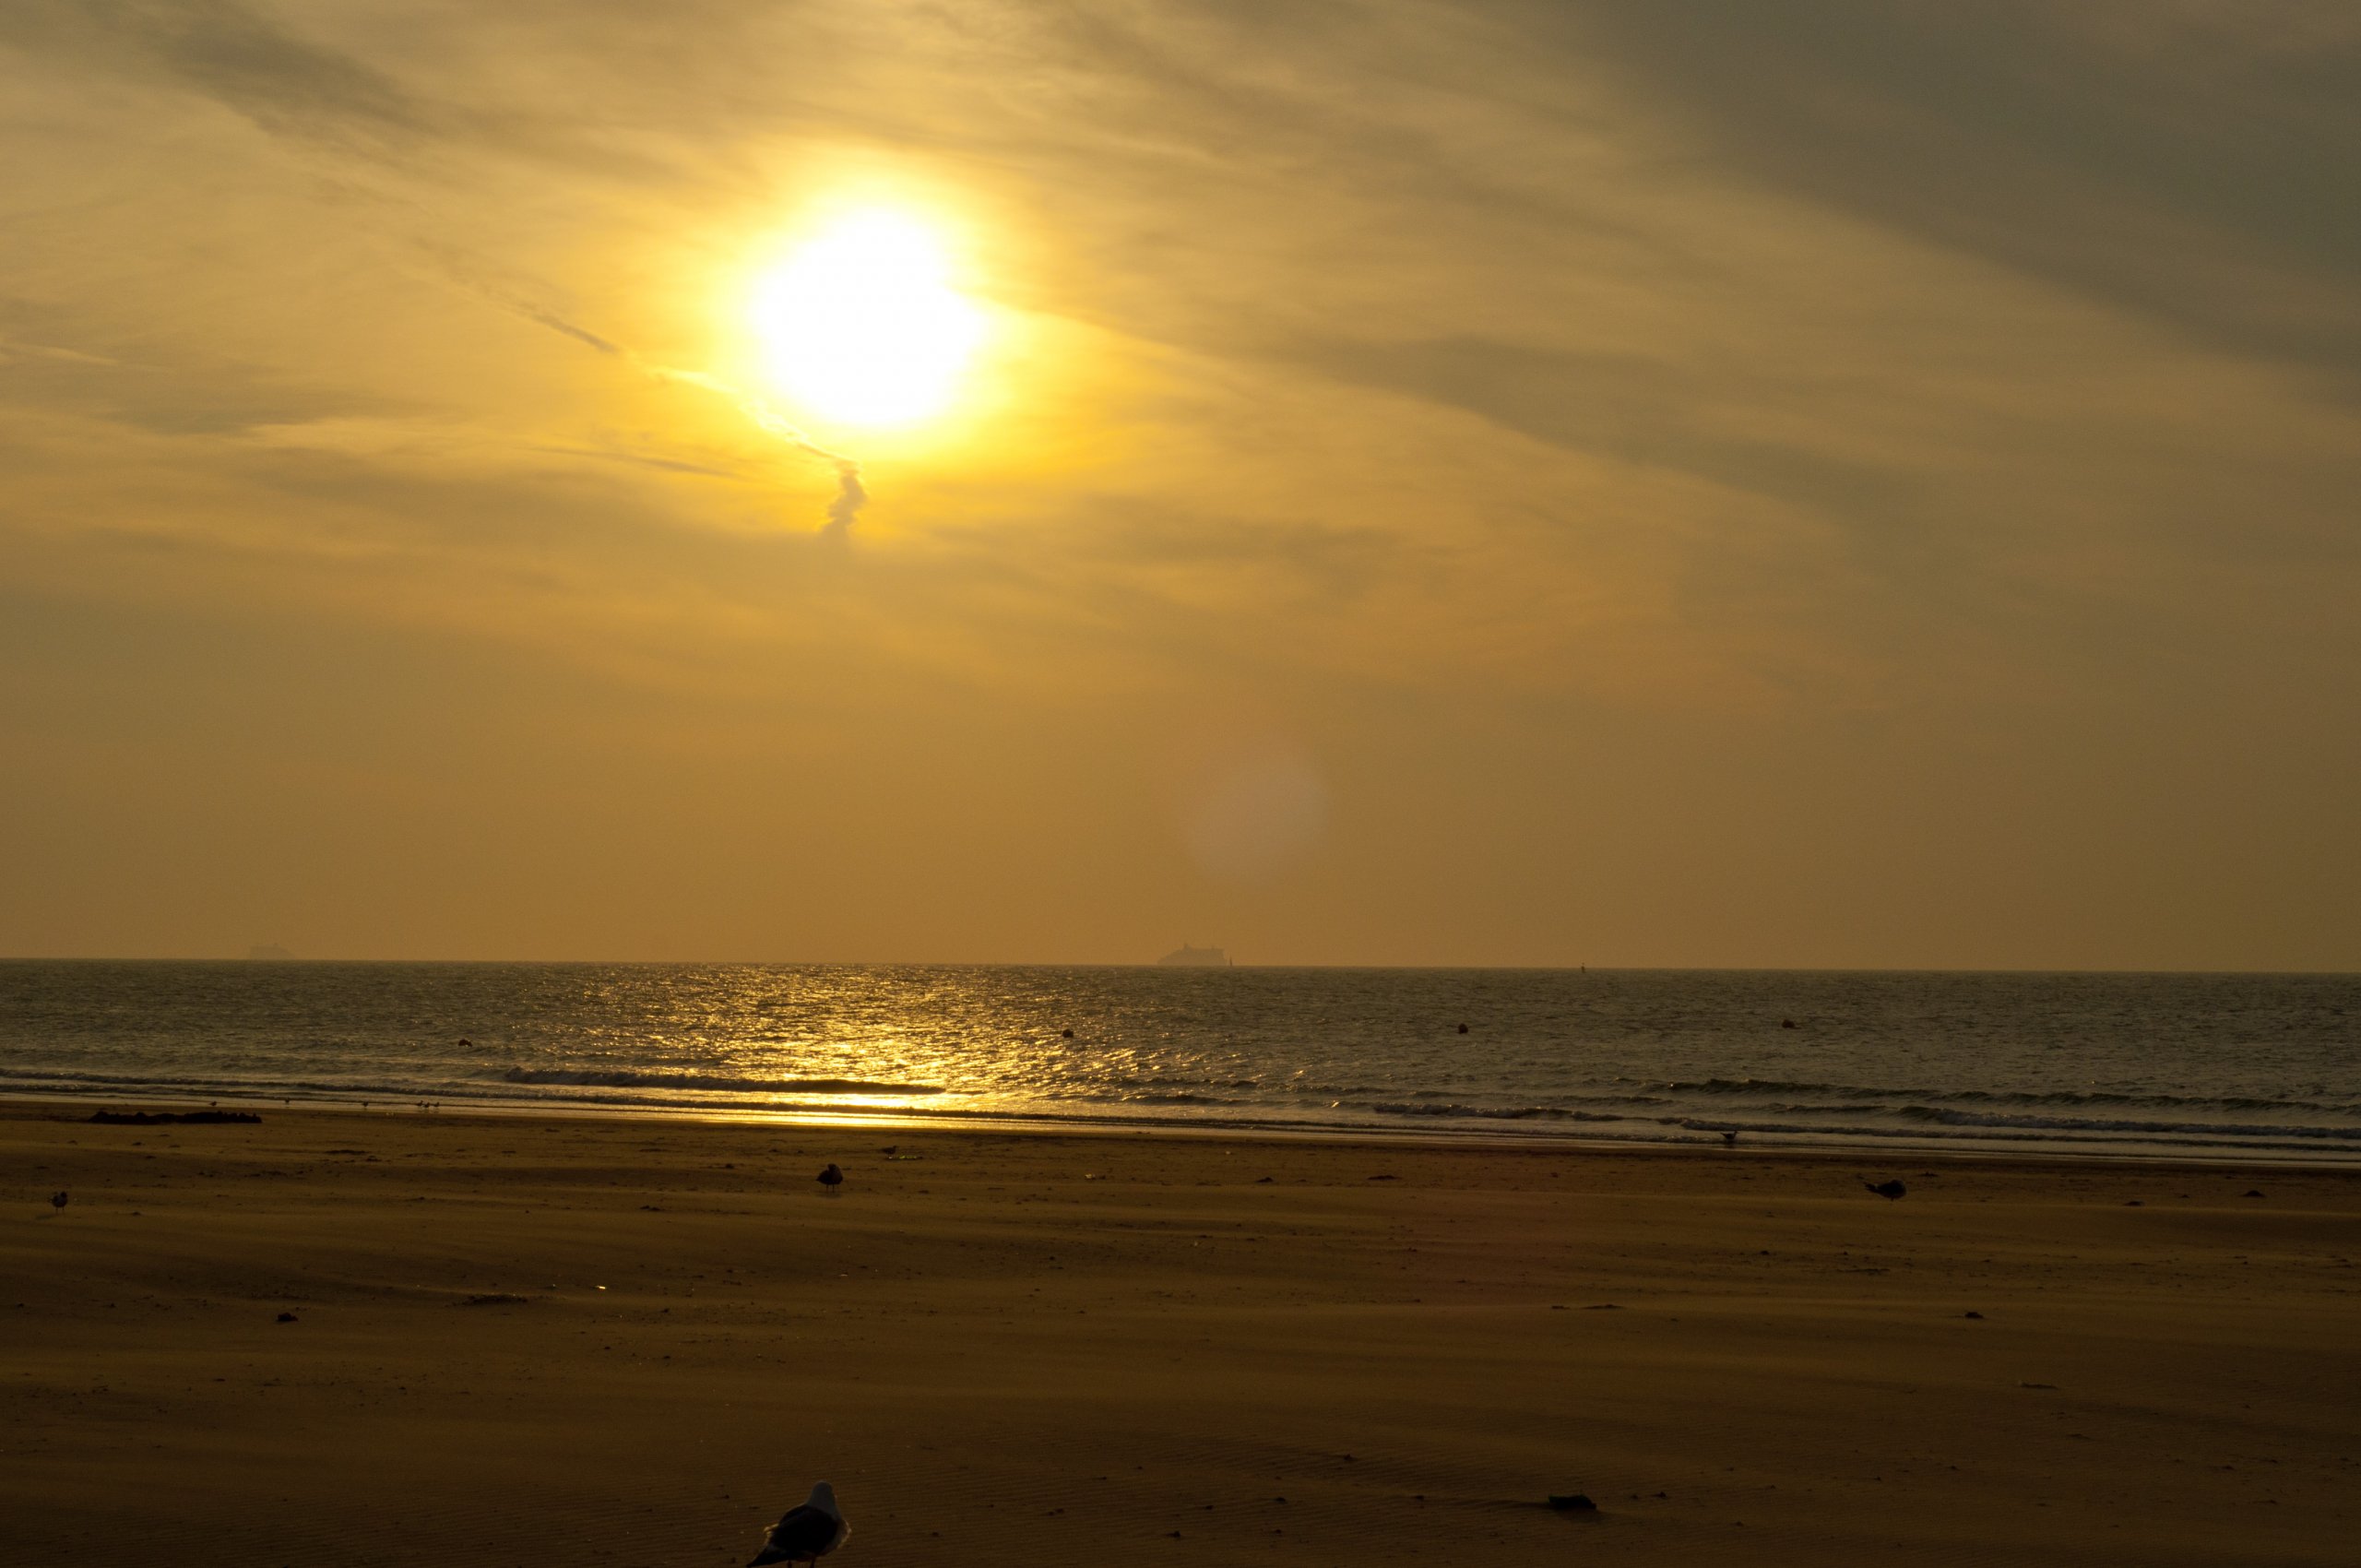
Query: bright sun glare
{"x": 861, "y": 324}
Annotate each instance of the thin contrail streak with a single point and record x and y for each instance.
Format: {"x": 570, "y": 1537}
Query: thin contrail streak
{"x": 851, "y": 495}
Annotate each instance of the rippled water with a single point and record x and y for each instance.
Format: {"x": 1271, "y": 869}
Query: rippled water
{"x": 2196, "y": 1064}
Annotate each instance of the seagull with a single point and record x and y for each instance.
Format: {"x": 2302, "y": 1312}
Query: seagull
{"x": 1889, "y": 1191}
{"x": 808, "y": 1531}
{"x": 832, "y": 1179}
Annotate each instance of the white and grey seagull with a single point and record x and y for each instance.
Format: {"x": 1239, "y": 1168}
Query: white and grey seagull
{"x": 806, "y": 1532}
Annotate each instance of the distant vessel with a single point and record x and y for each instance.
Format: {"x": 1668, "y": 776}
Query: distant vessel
{"x": 1187, "y": 956}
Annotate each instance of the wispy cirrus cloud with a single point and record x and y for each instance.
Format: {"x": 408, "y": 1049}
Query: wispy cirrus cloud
{"x": 234, "y": 55}
{"x": 1583, "y": 432}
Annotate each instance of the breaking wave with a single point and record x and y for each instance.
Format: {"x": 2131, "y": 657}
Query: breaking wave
{"x": 1872, "y": 1095}
{"x": 1504, "y": 1113}
{"x": 1945, "y": 1117}
{"x": 2218, "y": 1065}
{"x": 587, "y": 1079}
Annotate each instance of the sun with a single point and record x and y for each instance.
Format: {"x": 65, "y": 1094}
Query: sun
{"x": 861, "y": 324}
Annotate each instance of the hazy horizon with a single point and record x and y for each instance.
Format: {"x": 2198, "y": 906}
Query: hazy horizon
{"x": 235, "y": 958}
{"x": 1500, "y": 485}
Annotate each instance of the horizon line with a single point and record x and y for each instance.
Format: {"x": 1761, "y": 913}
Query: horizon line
{"x": 1153, "y": 964}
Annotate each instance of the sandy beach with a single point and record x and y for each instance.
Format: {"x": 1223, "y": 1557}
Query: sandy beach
{"x": 520, "y": 1341}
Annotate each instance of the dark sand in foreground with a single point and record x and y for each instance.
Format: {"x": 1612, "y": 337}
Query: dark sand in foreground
{"x": 1127, "y": 1350}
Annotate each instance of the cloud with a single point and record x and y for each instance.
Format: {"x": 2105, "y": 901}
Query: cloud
{"x": 1638, "y": 410}
{"x": 851, "y": 495}
{"x": 2193, "y": 162}
{"x": 234, "y": 55}
{"x": 1666, "y": 419}
{"x": 525, "y": 298}
{"x": 160, "y": 387}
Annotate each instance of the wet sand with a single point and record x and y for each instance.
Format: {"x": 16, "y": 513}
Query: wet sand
{"x": 533, "y": 1342}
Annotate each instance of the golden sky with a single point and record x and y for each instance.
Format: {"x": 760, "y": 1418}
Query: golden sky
{"x": 1568, "y": 482}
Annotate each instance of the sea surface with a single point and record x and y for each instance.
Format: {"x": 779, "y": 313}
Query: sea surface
{"x": 2218, "y": 1066}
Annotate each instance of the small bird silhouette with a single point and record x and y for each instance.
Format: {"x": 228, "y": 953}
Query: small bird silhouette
{"x": 57, "y": 1201}
{"x": 1730, "y": 1139}
{"x": 832, "y": 1179}
{"x": 1889, "y": 1191}
{"x": 808, "y": 1531}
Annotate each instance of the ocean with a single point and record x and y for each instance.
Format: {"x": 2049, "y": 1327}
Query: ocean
{"x": 2187, "y": 1066}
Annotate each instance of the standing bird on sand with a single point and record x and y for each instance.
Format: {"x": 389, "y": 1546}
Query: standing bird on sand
{"x": 832, "y": 1179}
{"x": 57, "y": 1201}
{"x": 807, "y": 1532}
{"x": 1889, "y": 1191}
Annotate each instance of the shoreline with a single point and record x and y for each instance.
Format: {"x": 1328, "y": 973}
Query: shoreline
{"x": 1051, "y": 966}
{"x": 1866, "y": 1148}
{"x": 2206, "y": 1070}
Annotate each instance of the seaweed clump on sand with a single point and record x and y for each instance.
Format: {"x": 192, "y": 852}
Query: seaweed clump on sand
{"x": 154, "y": 1118}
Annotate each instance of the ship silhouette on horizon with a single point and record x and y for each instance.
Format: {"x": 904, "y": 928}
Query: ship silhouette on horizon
{"x": 1188, "y": 956}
